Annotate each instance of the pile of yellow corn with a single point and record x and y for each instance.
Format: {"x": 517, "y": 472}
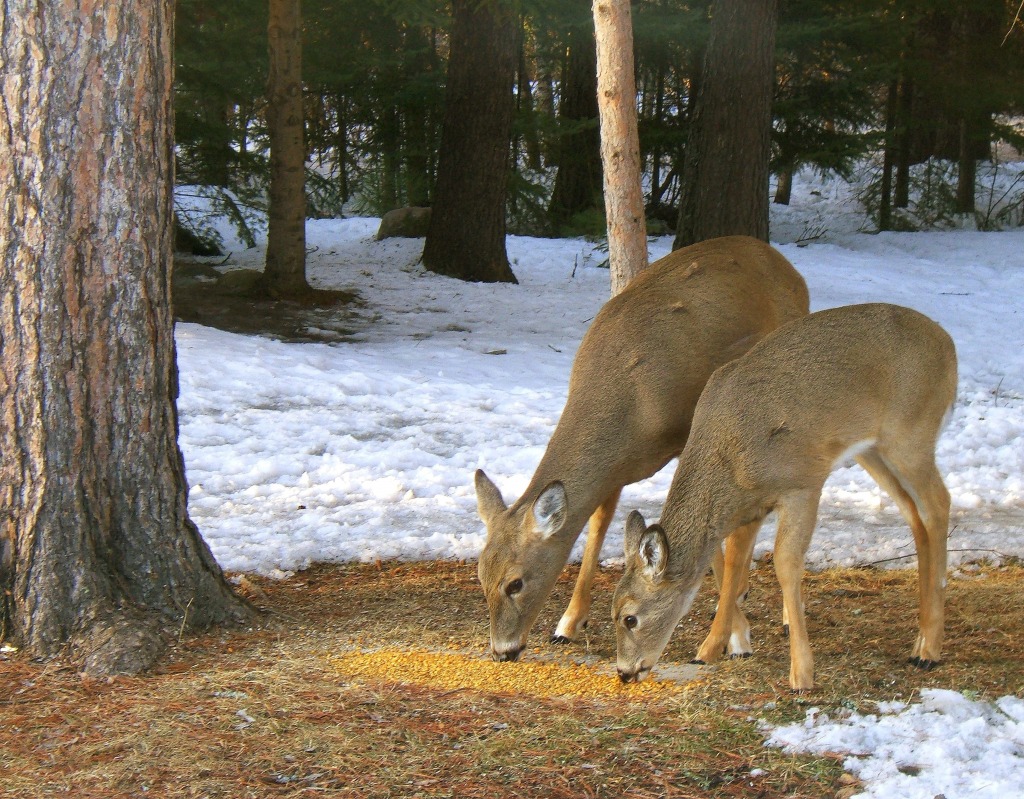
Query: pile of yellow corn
{"x": 452, "y": 671}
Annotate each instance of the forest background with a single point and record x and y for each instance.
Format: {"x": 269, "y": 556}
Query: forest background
{"x": 923, "y": 90}
{"x": 103, "y": 571}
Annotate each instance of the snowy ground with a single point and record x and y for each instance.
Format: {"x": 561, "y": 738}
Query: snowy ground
{"x": 946, "y": 745}
{"x": 365, "y": 449}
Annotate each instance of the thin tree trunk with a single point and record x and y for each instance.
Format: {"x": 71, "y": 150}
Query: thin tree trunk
{"x": 784, "y": 187}
{"x": 525, "y": 103}
{"x": 967, "y": 172}
{"x": 659, "y": 114}
{"x": 578, "y": 150}
{"x": 98, "y": 557}
{"x": 885, "y": 192}
{"x": 620, "y": 144}
{"x": 285, "y": 271}
{"x": 725, "y": 172}
{"x": 341, "y": 146}
{"x": 901, "y": 132}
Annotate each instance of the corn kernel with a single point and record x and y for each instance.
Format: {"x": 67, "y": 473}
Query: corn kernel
{"x": 451, "y": 671}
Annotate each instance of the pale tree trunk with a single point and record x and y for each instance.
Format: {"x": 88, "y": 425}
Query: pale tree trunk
{"x": 285, "y": 271}
{"x": 99, "y": 560}
{"x": 620, "y": 143}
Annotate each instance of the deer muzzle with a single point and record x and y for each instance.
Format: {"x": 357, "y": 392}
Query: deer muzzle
{"x": 506, "y": 654}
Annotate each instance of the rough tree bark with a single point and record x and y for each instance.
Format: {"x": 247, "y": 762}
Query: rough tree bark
{"x": 725, "y": 169}
{"x": 466, "y": 238}
{"x": 285, "y": 272}
{"x": 98, "y": 557}
{"x": 620, "y": 143}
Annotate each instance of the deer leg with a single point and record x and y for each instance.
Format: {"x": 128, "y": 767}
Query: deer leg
{"x": 718, "y": 569}
{"x": 718, "y": 566}
{"x": 933, "y": 507}
{"x": 575, "y": 617}
{"x": 922, "y": 498}
{"x": 730, "y": 629}
{"x": 798, "y": 512}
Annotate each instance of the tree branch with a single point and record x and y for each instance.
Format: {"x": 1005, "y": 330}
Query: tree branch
{"x": 1016, "y": 19}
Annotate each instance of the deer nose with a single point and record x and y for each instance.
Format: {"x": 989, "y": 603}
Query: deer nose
{"x": 627, "y": 676}
{"x": 507, "y": 655}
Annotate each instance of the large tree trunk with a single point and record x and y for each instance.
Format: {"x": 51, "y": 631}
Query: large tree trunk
{"x": 98, "y": 557}
{"x": 620, "y": 143}
{"x": 578, "y": 145}
{"x": 285, "y": 272}
{"x": 725, "y": 172}
{"x": 466, "y": 238}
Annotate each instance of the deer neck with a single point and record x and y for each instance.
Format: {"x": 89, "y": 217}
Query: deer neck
{"x": 588, "y": 482}
{"x": 704, "y": 505}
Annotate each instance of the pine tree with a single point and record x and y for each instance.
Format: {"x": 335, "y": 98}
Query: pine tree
{"x": 725, "y": 173}
{"x": 99, "y": 560}
{"x": 466, "y": 238}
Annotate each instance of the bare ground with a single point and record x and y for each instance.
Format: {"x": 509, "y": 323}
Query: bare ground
{"x": 234, "y": 301}
{"x": 269, "y": 711}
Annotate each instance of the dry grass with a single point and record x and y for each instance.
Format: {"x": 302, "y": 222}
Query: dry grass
{"x": 285, "y": 710}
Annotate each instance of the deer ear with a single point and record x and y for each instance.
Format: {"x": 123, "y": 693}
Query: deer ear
{"x": 549, "y": 510}
{"x": 635, "y": 527}
{"x": 488, "y": 498}
{"x": 653, "y": 552}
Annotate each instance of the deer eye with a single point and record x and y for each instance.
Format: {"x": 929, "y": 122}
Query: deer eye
{"x": 514, "y": 587}
{"x": 630, "y": 622}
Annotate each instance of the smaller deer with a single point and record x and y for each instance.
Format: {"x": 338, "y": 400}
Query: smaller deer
{"x": 873, "y": 381}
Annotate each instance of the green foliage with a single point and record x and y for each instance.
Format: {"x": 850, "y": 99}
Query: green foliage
{"x": 932, "y": 198}
{"x": 198, "y": 209}
{"x": 221, "y": 57}
{"x": 590, "y": 224}
{"x": 527, "y": 203}
{"x": 324, "y": 198}
{"x": 379, "y": 69}
{"x": 374, "y": 78}
{"x": 826, "y": 87}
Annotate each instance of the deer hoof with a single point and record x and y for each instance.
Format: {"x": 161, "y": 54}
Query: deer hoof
{"x": 560, "y": 639}
{"x": 696, "y": 662}
{"x": 740, "y": 656}
{"x": 923, "y": 664}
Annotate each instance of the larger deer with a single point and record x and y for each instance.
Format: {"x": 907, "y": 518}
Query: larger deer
{"x": 872, "y": 381}
{"x": 632, "y": 390}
